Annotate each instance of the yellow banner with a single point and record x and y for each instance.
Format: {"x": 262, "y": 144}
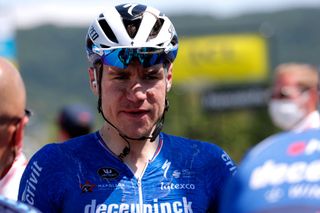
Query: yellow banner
{"x": 221, "y": 59}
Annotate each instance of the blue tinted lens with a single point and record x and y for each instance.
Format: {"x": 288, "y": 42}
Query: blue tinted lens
{"x": 122, "y": 57}
{"x": 111, "y": 58}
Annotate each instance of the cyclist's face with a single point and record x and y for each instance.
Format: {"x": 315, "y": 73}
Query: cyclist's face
{"x": 133, "y": 98}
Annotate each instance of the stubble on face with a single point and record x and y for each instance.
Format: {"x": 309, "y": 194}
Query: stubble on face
{"x": 133, "y": 99}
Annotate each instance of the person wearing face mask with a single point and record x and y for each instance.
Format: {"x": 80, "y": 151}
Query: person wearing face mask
{"x": 281, "y": 173}
{"x": 294, "y": 98}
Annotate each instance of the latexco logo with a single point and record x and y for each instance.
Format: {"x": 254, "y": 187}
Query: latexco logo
{"x": 177, "y": 186}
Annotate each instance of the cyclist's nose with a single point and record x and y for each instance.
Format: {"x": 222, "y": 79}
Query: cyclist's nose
{"x": 136, "y": 91}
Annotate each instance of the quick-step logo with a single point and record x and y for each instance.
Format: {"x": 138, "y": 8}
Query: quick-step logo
{"x": 301, "y": 147}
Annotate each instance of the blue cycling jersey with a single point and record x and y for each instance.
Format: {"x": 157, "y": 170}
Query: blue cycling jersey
{"x": 83, "y": 175}
{"x": 281, "y": 174}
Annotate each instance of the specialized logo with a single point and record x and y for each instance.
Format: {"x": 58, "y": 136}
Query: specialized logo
{"x": 166, "y": 167}
{"x": 108, "y": 173}
{"x": 130, "y": 8}
{"x": 87, "y": 187}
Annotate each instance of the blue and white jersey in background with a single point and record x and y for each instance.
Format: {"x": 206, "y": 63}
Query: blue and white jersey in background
{"x": 281, "y": 174}
{"x": 83, "y": 175}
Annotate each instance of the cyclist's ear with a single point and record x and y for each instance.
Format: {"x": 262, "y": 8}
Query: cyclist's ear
{"x": 93, "y": 81}
{"x": 169, "y": 77}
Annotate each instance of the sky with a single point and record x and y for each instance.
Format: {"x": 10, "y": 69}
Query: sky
{"x": 32, "y": 13}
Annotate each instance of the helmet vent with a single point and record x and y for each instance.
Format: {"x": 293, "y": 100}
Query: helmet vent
{"x": 132, "y": 26}
{"x": 89, "y": 43}
{"x": 174, "y": 40}
{"x": 104, "y": 46}
{"x": 156, "y": 28}
{"x": 107, "y": 30}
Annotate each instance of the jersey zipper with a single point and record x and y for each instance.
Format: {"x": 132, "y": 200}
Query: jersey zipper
{"x": 140, "y": 196}
{"x": 140, "y": 189}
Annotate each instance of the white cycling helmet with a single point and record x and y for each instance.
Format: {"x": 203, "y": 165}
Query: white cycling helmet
{"x": 131, "y": 30}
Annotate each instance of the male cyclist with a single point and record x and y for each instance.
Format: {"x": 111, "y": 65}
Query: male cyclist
{"x": 128, "y": 165}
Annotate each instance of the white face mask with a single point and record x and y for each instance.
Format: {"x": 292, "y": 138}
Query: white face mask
{"x": 285, "y": 113}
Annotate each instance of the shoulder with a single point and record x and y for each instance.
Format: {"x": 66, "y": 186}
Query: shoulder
{"x": 67, "y": 148}
{"x": 182, "y": 143}
{"x": 43, "y": 183}
{"x": 204, "y": 154}
{"x": 60, "y": 156}
{"x": 287, "y": 143}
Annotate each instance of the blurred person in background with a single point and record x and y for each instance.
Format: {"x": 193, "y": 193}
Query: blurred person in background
{"x": 13, "y": 119}
{"x": 129, "y": 165}
{"x": 281, "y": 173}
{"x": 74, "y": 120}
{"x": 294, "y": 99}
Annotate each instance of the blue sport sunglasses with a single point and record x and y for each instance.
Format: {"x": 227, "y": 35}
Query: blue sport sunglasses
{"x": 146, "y": 56}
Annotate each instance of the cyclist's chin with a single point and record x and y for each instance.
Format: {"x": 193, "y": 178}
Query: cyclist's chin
{"x": 138, "y": 132}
